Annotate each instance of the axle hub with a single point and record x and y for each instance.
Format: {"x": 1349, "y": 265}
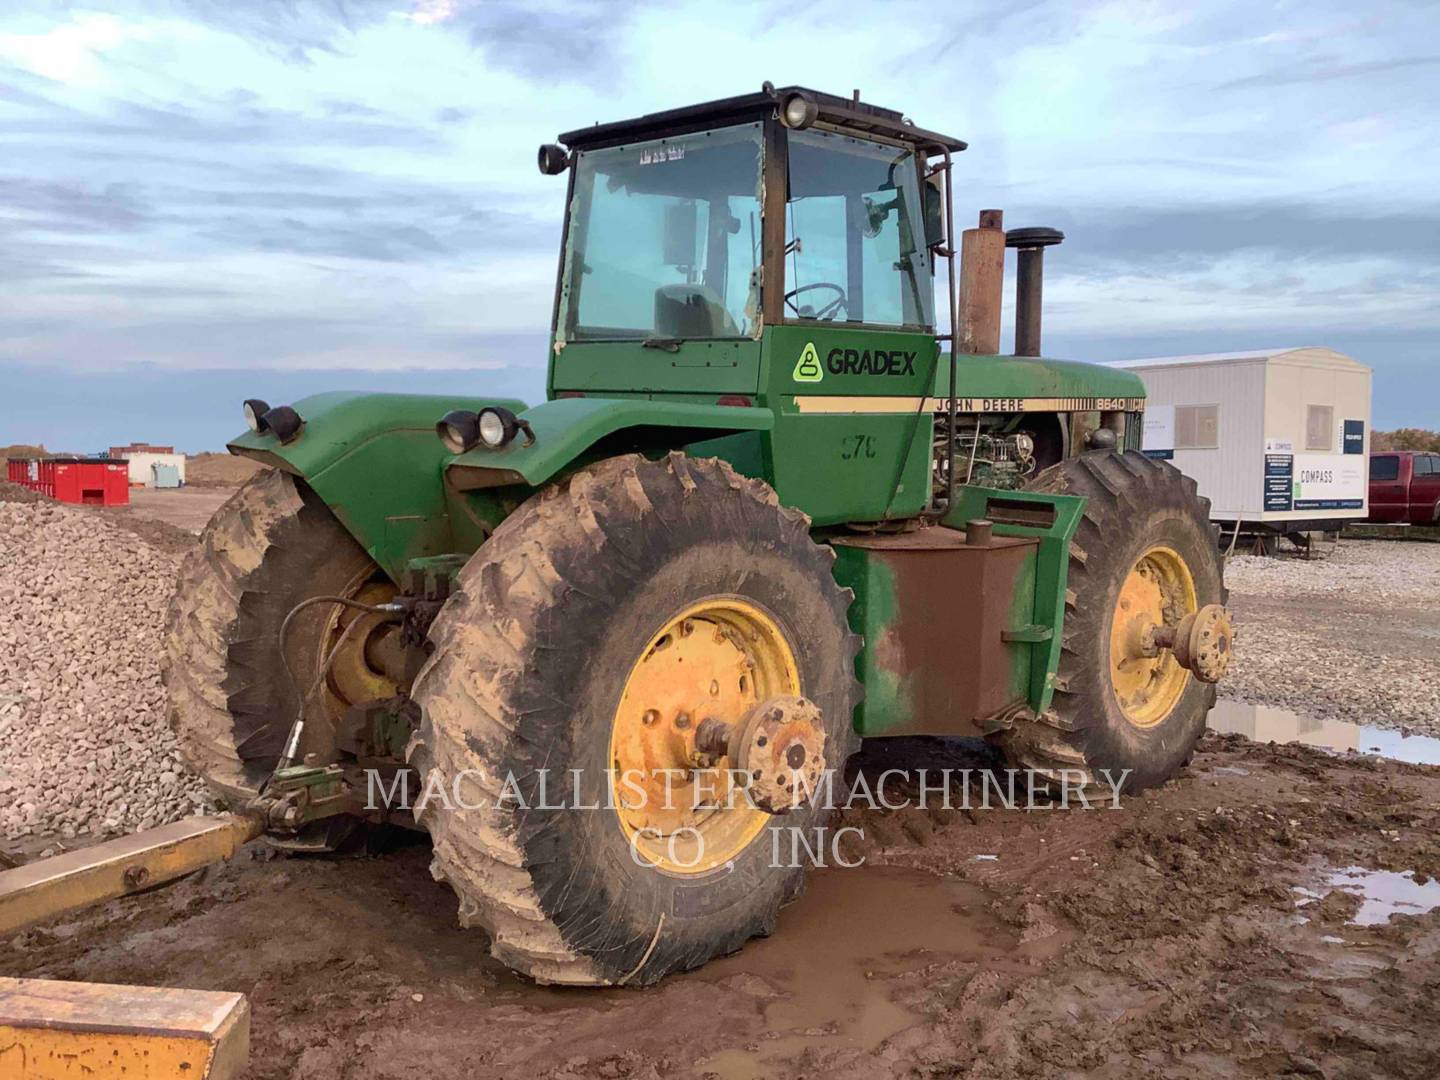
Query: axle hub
{"x": 780, "y": 743}
{"x": 1200, "y": 642}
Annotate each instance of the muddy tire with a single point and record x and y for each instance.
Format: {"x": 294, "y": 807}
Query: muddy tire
{"x": 535, "y": 655}
{"x": 271, "y": 545}
{"x": 1143, "y": 523}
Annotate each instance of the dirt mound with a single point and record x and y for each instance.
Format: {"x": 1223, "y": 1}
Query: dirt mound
{"x": 82, "y": 606}
{"x": 21, "y": 450}
{"x": 14, "y": 493}
{"x": 219, "y": 470}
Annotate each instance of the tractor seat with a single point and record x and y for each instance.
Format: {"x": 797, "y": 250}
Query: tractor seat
{"x": 691, "y": 311}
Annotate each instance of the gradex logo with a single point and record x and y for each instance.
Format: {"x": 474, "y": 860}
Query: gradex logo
{"x": 807, "y": 368}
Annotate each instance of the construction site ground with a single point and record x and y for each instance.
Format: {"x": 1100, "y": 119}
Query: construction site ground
{"x": 1270, "y": 912}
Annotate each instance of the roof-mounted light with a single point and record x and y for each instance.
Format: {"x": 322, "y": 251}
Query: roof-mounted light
{"x": 798, "y": 110}
{"x": 552, "y": 159}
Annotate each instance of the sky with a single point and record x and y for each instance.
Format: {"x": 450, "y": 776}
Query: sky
{"x": 203, "y": 200}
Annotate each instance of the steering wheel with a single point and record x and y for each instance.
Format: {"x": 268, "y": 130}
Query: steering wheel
{"x": 827, "y": 311}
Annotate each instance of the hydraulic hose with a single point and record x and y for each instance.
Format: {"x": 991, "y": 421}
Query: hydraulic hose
{"x": 297, "y": 728}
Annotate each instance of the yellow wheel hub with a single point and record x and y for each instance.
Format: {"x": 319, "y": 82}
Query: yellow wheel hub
{"x": 1159, "y": 591}
{"x": 677, "y": 807}
{"x": 367, "y": 649}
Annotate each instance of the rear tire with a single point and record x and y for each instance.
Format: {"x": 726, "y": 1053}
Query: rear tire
{"x": 533, "y": 656}
{"x": 273, "y": 544}
{"x": 1136, "y": 508}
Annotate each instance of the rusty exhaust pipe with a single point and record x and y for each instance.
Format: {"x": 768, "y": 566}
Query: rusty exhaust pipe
{"x": 982, "y": 284}
{"x": 1029, "y": 283}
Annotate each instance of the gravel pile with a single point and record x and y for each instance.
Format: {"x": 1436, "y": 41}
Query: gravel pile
{"x": 84, "y": 746}
{"x": 1363, "y": 570}
{"x": 1355, "y": 636}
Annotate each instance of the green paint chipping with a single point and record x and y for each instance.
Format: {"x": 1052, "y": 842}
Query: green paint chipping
{"x": 873, "y": 616}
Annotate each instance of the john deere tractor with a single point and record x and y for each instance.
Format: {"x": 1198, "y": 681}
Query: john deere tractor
{"x": 610, "y": 643}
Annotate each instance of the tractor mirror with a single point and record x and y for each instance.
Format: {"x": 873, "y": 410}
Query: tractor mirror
{"x": 680, "y": 234}
{"x": 933, "y": 196}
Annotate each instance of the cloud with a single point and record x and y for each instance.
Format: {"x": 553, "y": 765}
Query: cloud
{"x": 1324, "y": 69}
{"x": 202, "y": 183}
{"x": 62, "y": 206}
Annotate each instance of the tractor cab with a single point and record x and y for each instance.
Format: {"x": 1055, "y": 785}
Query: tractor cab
{"x": 689, "y": 232}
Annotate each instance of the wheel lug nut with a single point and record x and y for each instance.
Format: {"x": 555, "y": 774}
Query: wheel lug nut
{"x": 683, "y": 720}
{"x": 650, "y": 717}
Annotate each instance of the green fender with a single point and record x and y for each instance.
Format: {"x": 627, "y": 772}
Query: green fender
{"x": 568, "y": 429}
{"x": 377, "y": 463}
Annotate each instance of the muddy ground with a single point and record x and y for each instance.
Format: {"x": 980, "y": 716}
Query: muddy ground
{"x": 1210, "y": 928}
{"x": 1159, "y": 939}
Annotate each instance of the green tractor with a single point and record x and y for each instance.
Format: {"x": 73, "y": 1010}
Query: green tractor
{"x": 764, "y": 511}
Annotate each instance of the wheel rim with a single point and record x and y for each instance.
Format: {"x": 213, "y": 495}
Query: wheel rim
{"x": 1158, "y": 591}
{"x": 717, "y": 658}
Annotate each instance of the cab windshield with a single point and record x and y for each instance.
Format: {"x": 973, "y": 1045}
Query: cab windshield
{"x": 664, "y": 239}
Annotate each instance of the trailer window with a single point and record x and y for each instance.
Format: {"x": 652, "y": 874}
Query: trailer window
{"x": 1385, "y": 467}
{"x": 1319, "y": 427}
{"x": 1197, "y": 427}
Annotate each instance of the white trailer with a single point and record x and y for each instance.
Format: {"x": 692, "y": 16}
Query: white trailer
{"x": 1277, "y": 439}
{"x": 143, "y": 471}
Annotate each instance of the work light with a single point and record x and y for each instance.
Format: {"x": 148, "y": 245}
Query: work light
{"x": 552, "y": 159}
{"x": 798, "y": 111}
{"x": 497, "y": 427}
{"x": 283, "y": 421}
{"x": 255, "y": 411}
{"x": 459, "y": 430}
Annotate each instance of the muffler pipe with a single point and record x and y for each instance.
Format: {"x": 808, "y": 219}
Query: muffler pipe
{"x": 1030, "y": 245}
{"x": 982, "y": 285}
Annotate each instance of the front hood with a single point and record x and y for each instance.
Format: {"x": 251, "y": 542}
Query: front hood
{"x": 1030, "y": 377}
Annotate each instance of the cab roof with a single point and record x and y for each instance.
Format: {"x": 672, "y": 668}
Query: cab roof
{"x": 849, "y": 113}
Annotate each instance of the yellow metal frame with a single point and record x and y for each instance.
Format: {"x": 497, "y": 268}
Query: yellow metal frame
{"x": 48, "y": 887}
{"x": 61, "y": 1030}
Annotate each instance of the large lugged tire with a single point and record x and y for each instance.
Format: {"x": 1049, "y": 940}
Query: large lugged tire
{"x": 273, "y": 544}
{"x": 1145, "y": 538}
{"x": 591, "y": 596}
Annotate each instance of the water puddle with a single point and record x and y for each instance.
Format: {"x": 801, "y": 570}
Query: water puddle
{"x": 1382, "y": 893}
{"x": 1264, "y": 723}
{"x": 832, "y": 951}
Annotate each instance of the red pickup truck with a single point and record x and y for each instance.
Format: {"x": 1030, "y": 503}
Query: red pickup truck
{"x": 1405, "y": 487}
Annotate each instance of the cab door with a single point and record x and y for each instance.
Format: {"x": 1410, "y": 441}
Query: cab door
{"x": 850, "y": 364}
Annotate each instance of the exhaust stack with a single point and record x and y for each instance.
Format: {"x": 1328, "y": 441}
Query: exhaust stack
{"x": 1029, "y": 282}
{"x": 982, "y": 283}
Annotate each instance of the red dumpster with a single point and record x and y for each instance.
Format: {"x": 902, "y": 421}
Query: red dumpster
{"x": 87, "y": 481}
